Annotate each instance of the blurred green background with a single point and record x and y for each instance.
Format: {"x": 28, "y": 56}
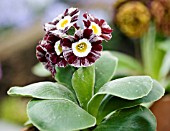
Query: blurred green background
{"x": 140, "y": 39}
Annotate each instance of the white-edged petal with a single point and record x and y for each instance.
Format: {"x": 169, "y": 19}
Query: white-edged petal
{"x": 48, "y": 26}
{"x": 59, "y": 17}
{"x": 79, "y": 50}
{"x": 58, "y": 33}
{"x": 70, "y": 10}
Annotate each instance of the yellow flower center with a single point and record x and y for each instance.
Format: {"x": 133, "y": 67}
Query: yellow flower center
{"x": 64, "y": 22}
{"x": 81, "y": 47}
{"x": 58, "y": 48}
{"x": 96, "y": 29}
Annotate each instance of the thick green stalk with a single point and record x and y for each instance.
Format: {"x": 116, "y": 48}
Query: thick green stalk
{"x": 148, "y": 50}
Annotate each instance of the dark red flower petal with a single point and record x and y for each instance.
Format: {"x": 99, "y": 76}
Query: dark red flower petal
{"x": 87, "y": 33}
{"x": 74, "y": 12}
{"x": 40, "y": 54}
{"x": 46, "y": 54}
{"x": 86, "y": 23}
{"x": 66, "y": 42}
{"x": 106, "y": 30}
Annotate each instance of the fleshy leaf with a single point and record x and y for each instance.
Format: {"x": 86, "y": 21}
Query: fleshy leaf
{"x": 165, "y": 68}
{"x": 104, "y": 69}
{"x": 111, "y": 103}
{"x": 43, "y": 90}
{"x": 138, "y": 118}
{"x": 130, "y": 88}
{"x": 83, "y": 84}
{"x": 64, "y": 76}
{"x": 58, "y": 115}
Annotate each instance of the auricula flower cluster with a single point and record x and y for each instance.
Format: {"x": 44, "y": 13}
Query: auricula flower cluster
{"x": 59, "y": 48}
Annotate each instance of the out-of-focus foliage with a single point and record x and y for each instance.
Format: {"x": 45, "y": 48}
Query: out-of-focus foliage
{"x": 13, "y": 110}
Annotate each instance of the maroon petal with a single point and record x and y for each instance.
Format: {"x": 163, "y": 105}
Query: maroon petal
{"x": 76, "y": 26}
{"x": 49, "y": 66}
{"x": 106, "y": 36}
{"x": 78, "y": 35}
{"x": 53, "y": 58}
{"x": 66, "y": 42}
{"x": 86, "y": 23}
{"x": 96, "y": 42}
{"x": 96, "y": 20}
{"x": 87, "y": 33}
{"x": 74, "y": 12}
{"x": 106, "y": 30}
{"x": 97, "y": 47}
{"x": 66, "y": 12}
{"x": 51, "y": 38}
{"x": 85, "y": 15}
{"x": 71, "y": 59}
{"x": 101, "y": 22}
{"x": 74, "y": 18}
{"x": 40, "y": 54}
{"x": 50, "y": 47}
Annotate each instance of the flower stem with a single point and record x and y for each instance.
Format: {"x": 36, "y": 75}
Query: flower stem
{"x": 148, "y": 50}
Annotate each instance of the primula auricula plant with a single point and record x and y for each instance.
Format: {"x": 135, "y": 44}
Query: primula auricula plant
{"x": 84, "y": 97}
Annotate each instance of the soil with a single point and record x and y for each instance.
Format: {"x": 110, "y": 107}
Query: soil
{"x": 161, "y": 109}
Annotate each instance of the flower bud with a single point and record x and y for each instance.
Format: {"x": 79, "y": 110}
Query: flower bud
{"x": 133, "y": 18}
{"x": 161, "y": 12}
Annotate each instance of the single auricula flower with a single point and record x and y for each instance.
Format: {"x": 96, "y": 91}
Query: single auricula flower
{"x": 83, "y": 49}
{"x": 99, "y": 27}
{"x": 62, "y": 22}
{"x": 49, "y": 52}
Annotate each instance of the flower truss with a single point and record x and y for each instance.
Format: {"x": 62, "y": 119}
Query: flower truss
{"x": 59, "y": 49}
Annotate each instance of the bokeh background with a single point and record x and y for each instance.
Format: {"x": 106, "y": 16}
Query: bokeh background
{"x": 21, "y": 27}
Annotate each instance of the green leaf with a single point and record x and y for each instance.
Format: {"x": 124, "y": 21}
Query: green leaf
{"x": 112, "y": 103}
{"x": 168, "y": 87}
{"x": 83, "y": 83}
{"x": 130, "y": 88}
{"x": 64, "y": 76}
{"x": 132, "y": 119}
{"x": 43, "y": 90}
{"x": 104, "y": 69}
{"x": 28, "y": 123}
{"x": 165, "y": 68}
{"x": 39, "y": 70}
{"x": 127, "y": 64}
{"x": 148, "y": 49}
{"x": 58, "y": 115}
{"x": 164, "y": 45}
{"x": 157, "y": 62}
